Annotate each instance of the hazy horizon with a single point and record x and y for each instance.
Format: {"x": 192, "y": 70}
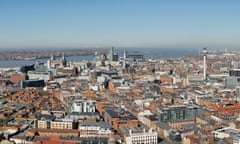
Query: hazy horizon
{"x": 142, "y": 49}
{"x": 28, "y": 24}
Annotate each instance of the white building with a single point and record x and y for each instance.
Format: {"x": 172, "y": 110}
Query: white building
{"x": 96, "y": 86}
{"x": 53, "y": 63}
{"x": 40, "y": 75}
{"x": 139, "y": 135}
{"x": 95, "y": 129}
{"x": 20, "y": 140}
{"x": 228, "y": 132}
{"x": 83, "y": 106}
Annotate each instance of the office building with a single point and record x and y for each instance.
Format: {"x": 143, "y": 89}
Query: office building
{"x": 32, "y": 84}
{"x": 178, "y": 113}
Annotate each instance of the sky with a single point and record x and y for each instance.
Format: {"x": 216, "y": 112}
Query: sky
{"x": 119, "y": 23}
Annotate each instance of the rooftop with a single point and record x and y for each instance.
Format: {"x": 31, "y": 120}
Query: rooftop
{"x": 96, "y": 124}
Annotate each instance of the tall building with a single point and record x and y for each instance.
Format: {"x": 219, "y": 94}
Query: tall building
{"x": 205, "y": 52}
{"x": 111, "y": 52}
{"x": 124, "y": 54}
{"x": 112, "y": 56}
{"x": 124, "y": 59}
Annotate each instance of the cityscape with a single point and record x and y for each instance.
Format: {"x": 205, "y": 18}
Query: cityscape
{"x": 123, "y": 98}
{"x": 123, "y": 72}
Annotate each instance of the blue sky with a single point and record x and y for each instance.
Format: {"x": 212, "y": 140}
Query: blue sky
{"x": 119, "y": 23}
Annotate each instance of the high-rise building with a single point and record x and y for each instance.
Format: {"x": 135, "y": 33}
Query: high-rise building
{"x": 124, "y": 54}
{"x": 205, "y": 52}
{"x": 112, "y": 56}
{"x": 111, "y": 52}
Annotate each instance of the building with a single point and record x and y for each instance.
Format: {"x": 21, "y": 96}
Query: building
{"x": 44, "y": 121}
{"x": 118, "y": 117}
{"x": 87, "y": 116}
{"x": 83, "y": 106}
{"x": 95, "y": 129}
{"x": 70, "y": 71}
{"x": 32, "y": 84}
{"x": 228, "y": 109}
{"x": 133, "y": 135}
{"x": 115, "y": 57}
{"x": 234, "y": 72}
{"x": 50, "y": 122}
{"x": 63, "y": 124}
{"x": 16, "y": 78}
{"x": 198, "y": 139}
{"x": 228, "y": 132}
{"x": 163, "y": 129}
{"x": 149, "y": 120}
{"x": 112, "y": 55}
{"x": 40, "y": 75}
{"x": 54, "y": 63}
{"x": 177, "y": 115}
{"x": 205, "y": 52}
{"x": 39, "y": 66}
{"x": 26, "y": 68}
{"x": 231, "y": 82}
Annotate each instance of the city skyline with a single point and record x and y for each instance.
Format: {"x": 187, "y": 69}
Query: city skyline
{"x": 98, "y": 24}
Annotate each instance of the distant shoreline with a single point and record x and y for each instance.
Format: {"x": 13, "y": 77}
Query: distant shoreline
{"x": 36, "y": 58}
{"x": 30, "y": 55}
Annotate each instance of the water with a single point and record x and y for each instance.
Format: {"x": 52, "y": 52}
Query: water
{"x": 164, "y": 53}
{"x": 19, "y": 63}
{"x": 147, "y": 52}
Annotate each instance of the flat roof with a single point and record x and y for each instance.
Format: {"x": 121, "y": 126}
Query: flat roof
{"x": 100, "y": 124}
{"x": 230, "y": 131}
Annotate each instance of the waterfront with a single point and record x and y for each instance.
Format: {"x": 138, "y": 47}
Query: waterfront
{"x": 19, "y": 63}
{"x": 147, "y": 52}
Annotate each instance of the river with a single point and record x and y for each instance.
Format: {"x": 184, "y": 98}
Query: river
{"x": 19, "y": 63}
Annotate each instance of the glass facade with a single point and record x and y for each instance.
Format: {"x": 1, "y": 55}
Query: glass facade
{"x": 178, "y": 114}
